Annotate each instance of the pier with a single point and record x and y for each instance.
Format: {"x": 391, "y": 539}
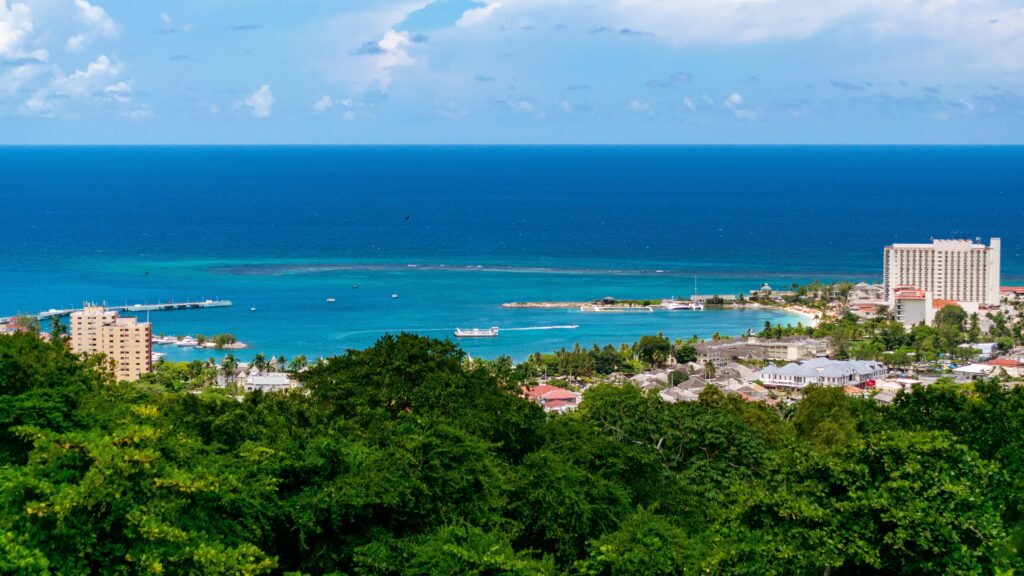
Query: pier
{"x": 53, "y": 312}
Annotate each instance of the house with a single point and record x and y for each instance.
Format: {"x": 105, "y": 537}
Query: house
{"x": 678, "y": 394}
{"x": 552, "y": 398}
{"x": 854, "y": 391}
{"x": 885, "y": 397}
{"x": 1005, "y": 362}
{"x": 973, "y": 371}
{"x": 985, "y": 349}
{"x": 1012, "y": 292}
{"x": 864, "y": 293}
{"x": 269, "y": 382}
{"x": 822, "y": 372}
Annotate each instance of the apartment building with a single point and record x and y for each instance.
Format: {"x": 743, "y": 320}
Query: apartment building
{"x": 126, "y": 342}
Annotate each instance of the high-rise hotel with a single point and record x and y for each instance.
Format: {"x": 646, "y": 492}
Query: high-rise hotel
{"x": 954, "y": 270}
{"x": 126, "y": 342}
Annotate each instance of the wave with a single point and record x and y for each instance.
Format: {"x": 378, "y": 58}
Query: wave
{"x": 567, "y": 327}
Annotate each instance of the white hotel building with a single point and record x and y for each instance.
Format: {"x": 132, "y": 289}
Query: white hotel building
{"x": 956, "y": 270}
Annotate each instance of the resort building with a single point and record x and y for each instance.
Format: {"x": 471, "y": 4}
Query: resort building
{"x": 126, "y": 342}
{"x": 957, "y": 270}
{"x": 822, "y": 372}
{"x": 269, "y": 382}
{"x": 752, "y": 348}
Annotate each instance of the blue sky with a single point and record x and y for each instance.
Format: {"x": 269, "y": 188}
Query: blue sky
{"x": 511, "y": 71}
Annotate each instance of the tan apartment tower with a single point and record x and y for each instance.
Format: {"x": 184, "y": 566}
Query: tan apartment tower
{"x": 958, "y": 270}
{"x": 126, "y": 342}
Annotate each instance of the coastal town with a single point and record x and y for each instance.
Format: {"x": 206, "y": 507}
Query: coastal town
{"x": 939, "y": 314}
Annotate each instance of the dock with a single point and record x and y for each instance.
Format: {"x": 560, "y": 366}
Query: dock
{"x": 164, "y": 306}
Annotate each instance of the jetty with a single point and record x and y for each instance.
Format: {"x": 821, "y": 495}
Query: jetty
{"x": 163, "y": 306}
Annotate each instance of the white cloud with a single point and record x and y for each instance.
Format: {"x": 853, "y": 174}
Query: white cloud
{"x": 733, "y": 100}
{"x": 689, "y": 103}
{"x": 639, "y": 106}
{"x": 743, "y": 114}
{"x": 324, "y": 103}
{"x": 96, "y": 88}
{"x": 348, "y": 116}
{"x": 98, "y": 25}
{"x": 566, "y": 107}
{"x": 986, "y": 34}
{"x": 260, "y": 102}
{"x": 477, "y": 16}
{"x": 15, "y": 26}
{"x": 523, "y": 105}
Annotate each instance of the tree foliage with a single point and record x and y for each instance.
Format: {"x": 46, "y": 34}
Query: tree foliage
{"x": 405, "y": 458}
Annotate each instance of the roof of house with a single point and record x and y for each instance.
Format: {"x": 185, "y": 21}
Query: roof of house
{"x": 824, "y": 367}
{"x": 1005, "y": 362}
{"x": 885, "y": 397}
{"x": 974, "y": 369}
{"x": 548, "y": 393}
{"x": 270, "y": 379}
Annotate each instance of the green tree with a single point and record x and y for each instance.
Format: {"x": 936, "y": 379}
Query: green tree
{"x": 653, "y": 349}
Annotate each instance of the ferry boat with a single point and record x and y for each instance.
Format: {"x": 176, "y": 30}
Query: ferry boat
{"x": 164, "y": 340}
{"x": 491, "y": 332}
{"x": 613, "y": 308}
{"x": 330, "y": 300}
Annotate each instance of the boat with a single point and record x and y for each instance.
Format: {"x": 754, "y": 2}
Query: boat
{"x": 613, "y": 308}
{"x": 354, "y": 286}
{"x": 186, "y": 342}
{"x": 394, "y": 296}
{"x": 253, "y": 309}
{"x": 491, "y": 332}
{"x": 674, "y": 305}
{"x": 330, "y": 300}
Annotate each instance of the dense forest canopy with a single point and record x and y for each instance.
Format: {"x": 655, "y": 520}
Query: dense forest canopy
{"x": 401, "y": 459}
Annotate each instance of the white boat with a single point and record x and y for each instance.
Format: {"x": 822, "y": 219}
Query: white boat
{"x": 253, "y": 309}
{"x": 187, "y": 341}
{"x": 394, "y": 296}
{"x": 330, "y": 300}
{"x": 681, "y": 305}
{"x": 491, "y": 332}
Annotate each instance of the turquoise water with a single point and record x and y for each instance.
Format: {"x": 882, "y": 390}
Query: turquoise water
{"x": 455, "y": 232}
{"x": 293, "y": 317}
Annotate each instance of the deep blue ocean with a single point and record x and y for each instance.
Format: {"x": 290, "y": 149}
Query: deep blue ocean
{"x": 456, "y": 231}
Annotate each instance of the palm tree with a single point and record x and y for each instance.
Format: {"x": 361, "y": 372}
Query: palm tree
{"x": 298, "y": 363}
{"x": 259, "y": 362}
{"x": 229, "y": 365}
{"x": 709, "y": 370}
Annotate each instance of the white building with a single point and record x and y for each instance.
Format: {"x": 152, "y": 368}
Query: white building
{"x": 957, "y": 270}
{"x": 913, "y": 306}
{"x": 822, "y": 372}
{"x": 269, "y": 382}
